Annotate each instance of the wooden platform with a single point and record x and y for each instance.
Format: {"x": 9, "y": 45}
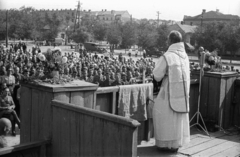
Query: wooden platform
{"x": 220, "y": 144}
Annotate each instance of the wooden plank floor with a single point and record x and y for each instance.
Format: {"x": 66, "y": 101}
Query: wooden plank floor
{"x": 219, "y": 144}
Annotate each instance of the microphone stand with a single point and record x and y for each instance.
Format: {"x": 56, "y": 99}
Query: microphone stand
{"x": 198, "y": 114}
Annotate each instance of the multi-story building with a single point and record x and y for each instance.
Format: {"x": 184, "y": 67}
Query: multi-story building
{"x": 211, "y": 16}
{"x": 106, "y": 16}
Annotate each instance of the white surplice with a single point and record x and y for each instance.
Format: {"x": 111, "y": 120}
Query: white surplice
{"x": 171, "y": 129}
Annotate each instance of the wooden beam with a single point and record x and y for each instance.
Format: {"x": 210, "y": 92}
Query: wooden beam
{"x": 99, "y": 114}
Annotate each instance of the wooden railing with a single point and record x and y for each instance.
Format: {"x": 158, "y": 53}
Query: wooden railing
{"x": 107, "y": 101}
{"x": 106, "y": 97}
{"x": 80, "y": 131}
{"x": 30, "y": 149}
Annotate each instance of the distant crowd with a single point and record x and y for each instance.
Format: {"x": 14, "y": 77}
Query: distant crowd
{"x": 18, "y": 63}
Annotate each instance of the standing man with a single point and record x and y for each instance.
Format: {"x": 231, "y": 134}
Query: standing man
{"x": 144, "y": 54}
{"x": 170, "y": 111}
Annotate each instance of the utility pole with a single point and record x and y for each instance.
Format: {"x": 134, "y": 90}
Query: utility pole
{"x": 7, "y": 28}
{"x": 203, "y": 11}
{"x": 158, "y": 13}
{"x": 78, "y": 16}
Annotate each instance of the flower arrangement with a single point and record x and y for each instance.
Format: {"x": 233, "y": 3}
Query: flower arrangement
{"x": 214, "y": 61}
{"x": 52, "y": 65}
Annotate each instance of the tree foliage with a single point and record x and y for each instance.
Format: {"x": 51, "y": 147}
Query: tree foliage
{"x": 129, "y": 34}
{"x": 146, "y": 34}
{"x": 114, "y": 34}
{"x": 100, "y": 30}
{"x": 52, "y": 23}
{"x": 80, "y": 35}
{"x": 162, "y": 37}
{"x": 27, "y": 23}
{"x": 218, "y": 35}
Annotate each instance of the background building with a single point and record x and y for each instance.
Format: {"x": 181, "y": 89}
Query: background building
{"x": 107, "y": 16}
{"x": 69, "y": 15}
{"x": 210, "y": 16}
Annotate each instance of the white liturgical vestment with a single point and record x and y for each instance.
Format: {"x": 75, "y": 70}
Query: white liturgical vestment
{"x": 171, "y": 126}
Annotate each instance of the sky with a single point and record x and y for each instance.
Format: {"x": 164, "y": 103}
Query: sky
{"x": 168, "y": 9}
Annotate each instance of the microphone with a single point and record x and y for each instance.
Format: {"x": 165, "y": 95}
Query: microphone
{"x": 202, "y": 59}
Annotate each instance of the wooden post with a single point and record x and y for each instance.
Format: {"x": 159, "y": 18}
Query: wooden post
{"x": 144, "y": 71}
{"x": 7, "y": 28}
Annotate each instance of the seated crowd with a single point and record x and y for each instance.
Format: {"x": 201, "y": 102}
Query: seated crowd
{"x": 17, "y": 63}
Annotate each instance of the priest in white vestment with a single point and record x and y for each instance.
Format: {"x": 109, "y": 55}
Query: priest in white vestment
{"x": 171, "y": 107}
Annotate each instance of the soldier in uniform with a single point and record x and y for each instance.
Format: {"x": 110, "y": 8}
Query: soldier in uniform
{"x": 9, "y": 79}
{"x": 85, "y": 74}
{"x": 7, "y": 108}
{"x": 124, "y": 79}
{"x": 130, "y": 78}
{"x": 90, "y": 76}
{"x": 118, "y": 80}
{"x": 108, "y": 81}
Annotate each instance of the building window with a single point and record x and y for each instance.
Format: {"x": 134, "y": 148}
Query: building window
{"x": 107, "y": 19}
{"x": 104, "y": 18}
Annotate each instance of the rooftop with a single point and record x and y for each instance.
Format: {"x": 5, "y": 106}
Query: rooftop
{"x": 105, "y": 12}
{"x": 187, "y": 28}
{"x": 212, "y": 15}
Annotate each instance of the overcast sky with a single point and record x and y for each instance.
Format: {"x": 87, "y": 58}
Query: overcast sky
{"x": 169, "y": 9}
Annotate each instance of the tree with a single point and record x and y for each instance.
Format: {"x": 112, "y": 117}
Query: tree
{"x": 146, "y": 34}
{"x": 208, "y": 36}
{"x": 230, "y": 37}
{"x": 99, "y": 30}
{"x": 20, "y": 23}
{"x": 218, "y": 35}
{"x": 52, "y": 23}
{"x": 129, "y": 34}
{"x": 114, "y": 35}
{"x": 80, "y": 35}
{"x": 161, "y": 42}
{"x": 2, "y": 25}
